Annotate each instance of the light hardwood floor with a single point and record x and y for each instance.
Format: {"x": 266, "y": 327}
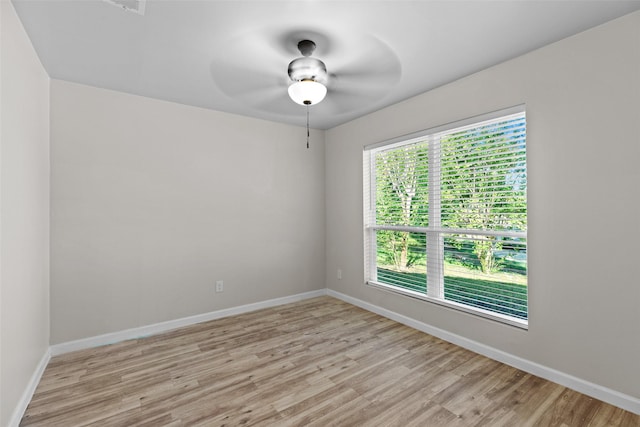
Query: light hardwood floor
{"x": 319, "y": 362}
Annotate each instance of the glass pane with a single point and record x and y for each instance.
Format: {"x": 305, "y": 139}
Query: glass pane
{"x": 484, "y": 177}
{"x": 486, "y": 272}
{"x": 402, "y": 259}
{"x": 401, "y": 186}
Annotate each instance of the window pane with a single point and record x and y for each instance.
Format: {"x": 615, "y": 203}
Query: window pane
{"x": 486, "y": 272}
{"x": 401, "y": 185}
{"x": 483, "y": 177}
{"x": 402, "y": 259}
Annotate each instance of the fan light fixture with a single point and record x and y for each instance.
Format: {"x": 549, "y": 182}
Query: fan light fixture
{"x": 307, "y": 92}
{"x": 308, "y": 75}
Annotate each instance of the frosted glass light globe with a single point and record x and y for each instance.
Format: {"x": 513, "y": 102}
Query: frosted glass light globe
{"x": 307, "y": 92}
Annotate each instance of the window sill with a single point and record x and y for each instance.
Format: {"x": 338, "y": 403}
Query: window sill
{"x": 511, "y": 321}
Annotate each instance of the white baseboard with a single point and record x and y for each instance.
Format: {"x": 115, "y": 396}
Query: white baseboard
{"x": 21, "y": 407}
{"x": 157, "y": 328}
{"x": 605, "y": 394}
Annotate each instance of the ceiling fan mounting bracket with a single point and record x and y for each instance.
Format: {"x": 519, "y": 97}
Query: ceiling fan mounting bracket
{"x": 306, "y": 47}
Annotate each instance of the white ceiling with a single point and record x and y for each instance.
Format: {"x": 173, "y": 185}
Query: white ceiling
{"x": 233, "y": 55}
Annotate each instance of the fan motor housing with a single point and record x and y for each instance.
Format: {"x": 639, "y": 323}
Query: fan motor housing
{"x": 307, "y": 68}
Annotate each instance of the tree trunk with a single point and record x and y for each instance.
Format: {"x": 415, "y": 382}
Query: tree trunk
{"x": 404, "y": 251}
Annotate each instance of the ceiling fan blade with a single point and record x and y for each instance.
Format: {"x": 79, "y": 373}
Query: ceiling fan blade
{"x": 239, "y": 80}
{"x": 263, "y": 90}
{"x": 360, "y": 85}
{"x": 279, "y": 104}
{"x": 260, "y": 65}
{"x": 342, "y": 102}
{"x": 372, "y": 70}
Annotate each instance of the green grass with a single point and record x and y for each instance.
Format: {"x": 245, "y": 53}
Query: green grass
{"x": 499, "y": 297}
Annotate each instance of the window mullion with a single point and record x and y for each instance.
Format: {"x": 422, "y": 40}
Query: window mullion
{"x": 435, "y": 243}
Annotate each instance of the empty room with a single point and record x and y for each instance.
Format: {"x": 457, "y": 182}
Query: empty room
{"x": 319, "y": 213}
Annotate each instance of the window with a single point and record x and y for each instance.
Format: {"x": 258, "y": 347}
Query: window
{"x": 446, "y": 215}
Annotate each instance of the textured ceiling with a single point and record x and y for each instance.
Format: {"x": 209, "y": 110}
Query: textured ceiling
{"x": 232, "y": 55}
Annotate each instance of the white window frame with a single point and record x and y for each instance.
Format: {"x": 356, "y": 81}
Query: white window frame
{"x": 434, "y": 232}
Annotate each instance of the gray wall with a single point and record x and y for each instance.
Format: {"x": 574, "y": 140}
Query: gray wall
{"x": 583, "y": 111}
{"x": 152, "y": 202}
{"x": 24, "y": 212}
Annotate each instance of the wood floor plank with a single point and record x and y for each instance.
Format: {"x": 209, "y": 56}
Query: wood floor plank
{"x": 316, "y": 362}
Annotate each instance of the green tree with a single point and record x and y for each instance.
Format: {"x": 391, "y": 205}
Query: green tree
{"x": 401, "y": 194}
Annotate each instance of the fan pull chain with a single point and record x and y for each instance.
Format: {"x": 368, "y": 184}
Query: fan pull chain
{"x": 307, "y": 126}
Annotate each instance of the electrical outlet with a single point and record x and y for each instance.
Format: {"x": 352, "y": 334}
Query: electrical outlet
{"x": 339, "y": 274}
{"x": 219, "y": 286}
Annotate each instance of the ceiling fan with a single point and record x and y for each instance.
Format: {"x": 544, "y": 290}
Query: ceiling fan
{"x": 336, "y": 75}
{"x": 309, "y": 76}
